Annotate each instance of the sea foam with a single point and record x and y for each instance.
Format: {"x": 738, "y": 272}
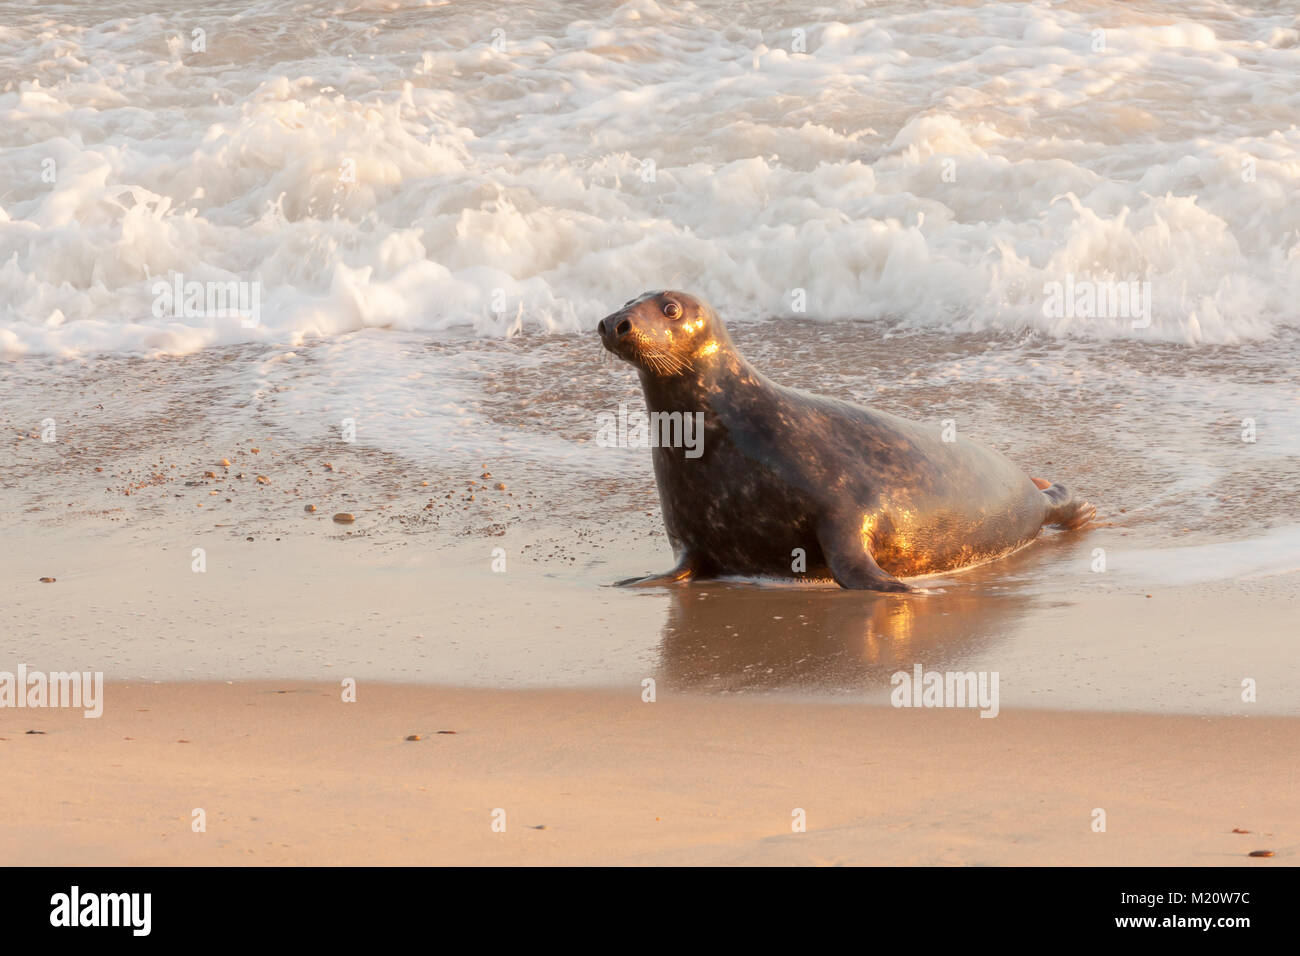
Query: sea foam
{"x": 419, "y": 167}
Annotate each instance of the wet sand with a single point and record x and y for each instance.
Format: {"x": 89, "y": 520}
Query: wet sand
{"x": 288, "y": 773}
{"x": 1198, "y": 529}
{"x": 1120, "y": 689}
{"x": 331, "y": 603}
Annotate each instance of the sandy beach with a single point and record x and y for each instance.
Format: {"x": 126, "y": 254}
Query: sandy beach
{"x": 226, "y": 615}
{"x": 288, "y": 773}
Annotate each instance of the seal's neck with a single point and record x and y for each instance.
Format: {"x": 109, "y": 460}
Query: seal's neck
{"x": 695, "y": 388}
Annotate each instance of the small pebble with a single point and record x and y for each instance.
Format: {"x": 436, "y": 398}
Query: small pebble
{"x": 414, "y": 737}
{"x": 47, "y": 580}
{"x": 344, "y": 518}
{"x": 309, "y": 508}
{"x": 1261, "y": 852}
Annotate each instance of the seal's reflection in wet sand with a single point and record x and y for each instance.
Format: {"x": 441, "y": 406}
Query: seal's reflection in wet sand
{"x": 733, "y": 636}
{"x": 727, "y": 637}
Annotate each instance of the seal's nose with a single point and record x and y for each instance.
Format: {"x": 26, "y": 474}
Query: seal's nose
{"x": 614, "y": 327}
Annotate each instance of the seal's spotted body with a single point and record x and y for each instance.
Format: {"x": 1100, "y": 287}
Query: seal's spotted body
{"x": 866, "y": 495}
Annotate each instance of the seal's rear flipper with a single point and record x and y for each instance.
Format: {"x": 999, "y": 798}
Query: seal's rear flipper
{"x": 851, "y": 563}
{"x": 1064, "y": 511}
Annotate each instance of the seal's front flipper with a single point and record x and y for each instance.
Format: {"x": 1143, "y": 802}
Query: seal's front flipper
{"x": 851, "y": 563}
{"x": 684, "y": 570}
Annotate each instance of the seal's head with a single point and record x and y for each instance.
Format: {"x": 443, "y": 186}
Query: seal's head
{"x": 665, "y": 334}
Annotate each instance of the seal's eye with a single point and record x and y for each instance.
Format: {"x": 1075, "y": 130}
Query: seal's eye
{"x": 673, "y": 310}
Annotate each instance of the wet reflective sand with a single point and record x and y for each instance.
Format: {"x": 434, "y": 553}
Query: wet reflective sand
{"x": 1190, "y": 514}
